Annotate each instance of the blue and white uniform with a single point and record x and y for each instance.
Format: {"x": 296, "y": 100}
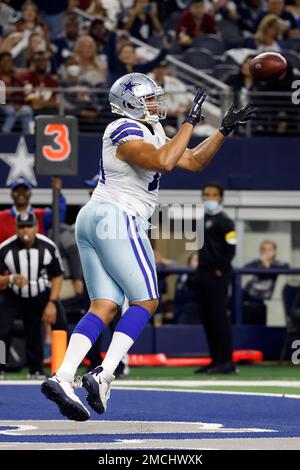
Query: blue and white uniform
{"x": 115, "y": 252}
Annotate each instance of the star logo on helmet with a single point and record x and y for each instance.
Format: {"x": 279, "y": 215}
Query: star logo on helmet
{"x": 129, "y": 86}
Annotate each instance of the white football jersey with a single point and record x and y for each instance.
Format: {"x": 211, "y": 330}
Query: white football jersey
{"x": 130, "y": 187}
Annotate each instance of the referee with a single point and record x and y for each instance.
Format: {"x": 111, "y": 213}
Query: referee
{"x": 31, "y": 286}
{"x": 212, "y": 280}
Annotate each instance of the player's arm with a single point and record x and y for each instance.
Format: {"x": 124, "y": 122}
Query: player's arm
{"x": 166, "y": 157}
{"x": 198, "y": 158}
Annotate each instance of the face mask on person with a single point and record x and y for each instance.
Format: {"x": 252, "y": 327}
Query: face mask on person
{"x": 212, "y": 206}
{"x": 73, "y": 70}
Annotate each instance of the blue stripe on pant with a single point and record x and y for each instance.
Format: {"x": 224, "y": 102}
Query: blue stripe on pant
{"x": 116, "y": 255}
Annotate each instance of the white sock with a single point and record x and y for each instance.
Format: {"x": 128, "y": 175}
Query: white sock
{"x": 79, "y": 346}
{"x": 119, "y": 346}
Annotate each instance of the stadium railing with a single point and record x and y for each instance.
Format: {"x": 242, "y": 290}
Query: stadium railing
{"x": 237, "y": 289}
{"x": 277, "y": 115}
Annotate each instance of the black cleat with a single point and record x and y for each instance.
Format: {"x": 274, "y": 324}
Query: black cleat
{"x": 226, "y": 368}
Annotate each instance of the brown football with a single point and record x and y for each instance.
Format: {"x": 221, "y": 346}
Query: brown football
{"x": 267, "y": 66}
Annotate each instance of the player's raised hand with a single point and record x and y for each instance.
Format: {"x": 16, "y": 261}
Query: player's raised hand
{"x": 195, "y": 115}
{"x": 236, "y": 117}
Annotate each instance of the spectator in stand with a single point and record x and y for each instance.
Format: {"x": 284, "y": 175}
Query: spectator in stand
{"x": 79, "y": 101}
{"x": 266, "y": 36}
{"x": 7, "y": 43}
{"x": 249, "y": 11}
{"x": 106, "y": 10}
{"x": 92, "y": 70}
{"x": 37, "y": 84}
{"x": 97, "y": 9}
{"x": 288, "y": 24}
{"x": 143, "y": 20}
{"x": 53, "y": 12}
{"x": 21, "y": 194}
{"x": 243, "y": 80}
{"x": 186, "y": 309}
{"x": 99, "y": 33}
{"x": 177, "y": 94}
{"x": 225, "y": 10}
{"x": 124, "y": 60}
{"x": 167, "y": 7}
{"x": 295, "y": 10}
{"x": 7, "y": 16}
{"x": 261, "y": 286}
{"x": 195, "y": 22}
{"x": 36, "y": 43}
{"x": 15, "y": 108}
{"x": 31, "y": 21}
{"x": 64, "y": 45}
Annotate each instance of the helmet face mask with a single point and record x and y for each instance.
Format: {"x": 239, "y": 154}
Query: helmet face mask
{"x": 138, "y": 97}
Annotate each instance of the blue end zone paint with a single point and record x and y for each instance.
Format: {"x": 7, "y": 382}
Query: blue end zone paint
{"x": 232, "y": 411}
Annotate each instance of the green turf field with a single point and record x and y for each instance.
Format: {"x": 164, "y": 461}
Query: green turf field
{"x": 247, "y": 372}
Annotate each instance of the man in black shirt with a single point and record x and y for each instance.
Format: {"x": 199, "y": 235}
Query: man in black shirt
{"x": 31, "y": 276}
{"x": 212, "y": 279}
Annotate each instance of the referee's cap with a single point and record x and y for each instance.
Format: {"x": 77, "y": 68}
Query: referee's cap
{"x": 26, "y": 219}
{"x": 20, "y": 182}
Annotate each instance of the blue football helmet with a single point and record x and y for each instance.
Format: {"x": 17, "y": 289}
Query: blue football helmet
{"x": 128, "y": 97}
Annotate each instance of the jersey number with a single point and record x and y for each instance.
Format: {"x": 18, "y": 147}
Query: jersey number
{"x": 62, "y": 141}
{"x": 154, "y": 183}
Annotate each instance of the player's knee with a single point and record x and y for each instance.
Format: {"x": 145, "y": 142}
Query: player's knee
{"x": 155, "y": 305}
{"x": 149, "y": 305}
{"x": 104, "y": 309}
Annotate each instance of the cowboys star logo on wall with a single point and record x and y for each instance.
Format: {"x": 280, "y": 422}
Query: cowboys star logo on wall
{"x": 21, "y": 163}
{"x": 128, "y": 87}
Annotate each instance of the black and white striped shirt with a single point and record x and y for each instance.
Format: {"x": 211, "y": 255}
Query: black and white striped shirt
{"x": 38, "y": 264}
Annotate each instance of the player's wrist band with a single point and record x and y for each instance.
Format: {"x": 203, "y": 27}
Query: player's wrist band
{"x": 11, "y": 279}
{"x": 190, "y": 120}
{"x": 52, "y": 300}
{"x": 225, "y": 131}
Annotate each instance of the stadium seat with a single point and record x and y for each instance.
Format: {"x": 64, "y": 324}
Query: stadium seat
{"x": 155, "y": 41}
{"x": 171, "y": 23}
{"x": 292, "y": 44}
{"x": 199, "y": 58}
{"x": 222, "y": 71}
{"x": 211, "y": 43}
{"x": 292, "y": 57}
{"x": 230, "y": 33}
